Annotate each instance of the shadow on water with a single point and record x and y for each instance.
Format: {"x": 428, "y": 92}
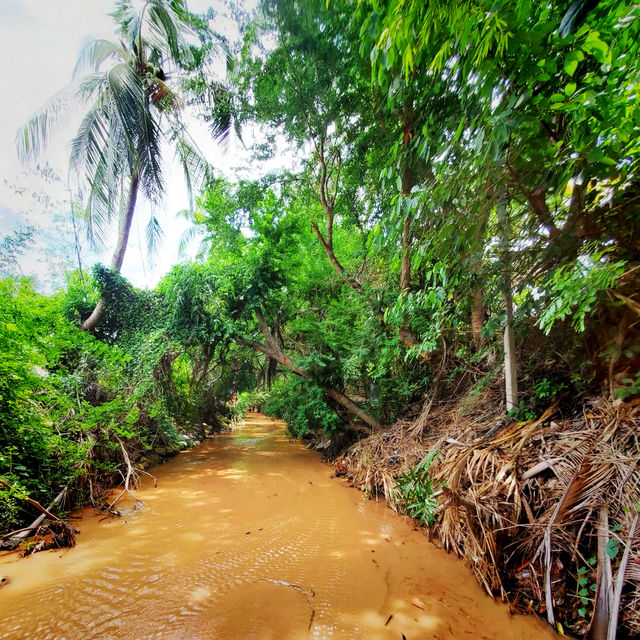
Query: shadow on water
{"x": 247, "y": 536}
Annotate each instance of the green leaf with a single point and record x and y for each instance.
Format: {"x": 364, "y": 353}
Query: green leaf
{"x": 570, "y": 66}
{"x": 571, "y": 61}
{"x": 612, "y": 549}
{"x": 596, "y": 47}
{"x": 460, "y": 128}
{"x": 597, "y": 156}
{"x": 570, "y": 88}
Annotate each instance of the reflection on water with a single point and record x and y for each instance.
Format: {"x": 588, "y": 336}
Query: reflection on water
{"x": 247, "y": 537}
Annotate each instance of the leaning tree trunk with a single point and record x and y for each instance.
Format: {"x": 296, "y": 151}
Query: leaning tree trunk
{"x": 334, "y": 394}
{"x": 273, "y": 350}
{"x": 124, "y": 229}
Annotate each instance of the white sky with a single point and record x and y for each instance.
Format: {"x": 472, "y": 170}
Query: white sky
{"x": 39, "y": 44}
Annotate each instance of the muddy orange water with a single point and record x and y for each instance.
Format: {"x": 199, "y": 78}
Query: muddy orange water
{"x": 247, "y": 536}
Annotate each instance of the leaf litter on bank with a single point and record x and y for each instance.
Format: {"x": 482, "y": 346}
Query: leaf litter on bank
{"x": 520, "y": 502}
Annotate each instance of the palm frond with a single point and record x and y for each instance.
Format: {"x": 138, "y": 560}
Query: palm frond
{"x": 91, "y": 85}
{"x": 97, "y": 156}
{"x": 159, "y": 25}
{"x": 195, "y": 167}
{"x": 87, "y": 146}
{"x": 221, "y": 111}
{"x": 129, "y": 101}
{"x": 104, "y": 200}
{"x": 32, "y": 138}
{"x": 166, "y": 28}
{"x": 186, "y": 238}
{"x": 94, "y": 54}
{"x": 140, "y": 129}
{"x": 149, "y": 155}
{"x": 153, "y": 234}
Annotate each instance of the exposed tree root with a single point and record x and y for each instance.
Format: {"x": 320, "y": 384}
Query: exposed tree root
{"x": 131, "y": 480}
{"x": 52, "y": 535}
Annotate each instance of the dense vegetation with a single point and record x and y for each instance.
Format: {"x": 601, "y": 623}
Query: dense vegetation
{"x": 452, "y": 266}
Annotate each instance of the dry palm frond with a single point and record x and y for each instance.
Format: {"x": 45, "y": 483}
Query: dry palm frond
{"x": 523, "y": 495}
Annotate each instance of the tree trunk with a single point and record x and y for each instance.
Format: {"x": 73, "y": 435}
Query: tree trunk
{"x": 477, "y": 317}
{"x": 510, "y": 358}
{"x": 327, "y": 201}
{"x": 272, "y": 350}
{"x": 598, "y": 629}
{"x": 121, "y": 246}
{"x": 328, "y": 249}
{"x": 76, "y": 238}
{"x": 353, "y": 407}
{"x": 477, "y": 302}
{"x": 407, "y": 184}
{"x": 125, "y": 225}
{"x": 405, "y": 272}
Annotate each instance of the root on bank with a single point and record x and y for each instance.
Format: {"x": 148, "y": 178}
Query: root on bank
{"x": 131, "y": 479}
{"x": 56, "y": 534}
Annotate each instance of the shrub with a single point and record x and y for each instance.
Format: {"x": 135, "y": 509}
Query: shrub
{"x": 302, "y": 405}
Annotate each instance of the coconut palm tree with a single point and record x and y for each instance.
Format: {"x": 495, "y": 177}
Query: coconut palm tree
{"x": 131, "y": 110}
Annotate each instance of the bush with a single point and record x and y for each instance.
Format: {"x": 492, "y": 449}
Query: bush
{"x": 302, "y": 405}
{"x": 415, "y": 490}
{"x": 66, "y": 397}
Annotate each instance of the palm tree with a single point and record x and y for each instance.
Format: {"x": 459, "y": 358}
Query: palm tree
{"x": 131, "y": 110}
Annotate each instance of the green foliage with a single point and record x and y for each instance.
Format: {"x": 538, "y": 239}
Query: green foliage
{"x": 302, "y": 405}
{"x": 585, "y": 586}
{"x": 65, "y": 396}
{"x": 34, "y": 348}
{"x": 12, "y": 246}
{"x": 412, "y": 123}
{"x": 415, "y": 491}
{"x": 573, "y": 290}
{"x": 631, "y": 388}
{"x": 522, "y": 413}
{"x": 245, "y": 400}
{"x": 547, "y": 389}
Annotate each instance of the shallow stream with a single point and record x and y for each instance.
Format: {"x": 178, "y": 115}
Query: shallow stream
{"x": 248, "y": 537}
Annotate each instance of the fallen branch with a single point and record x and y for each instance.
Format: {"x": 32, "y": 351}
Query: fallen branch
{"x": 307, "y": 592}
{"x": 598, "y": 629}
{"x": 539, "y": 468}
{"x": 33, "y": 503}
{"x": 13, "y": 538}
